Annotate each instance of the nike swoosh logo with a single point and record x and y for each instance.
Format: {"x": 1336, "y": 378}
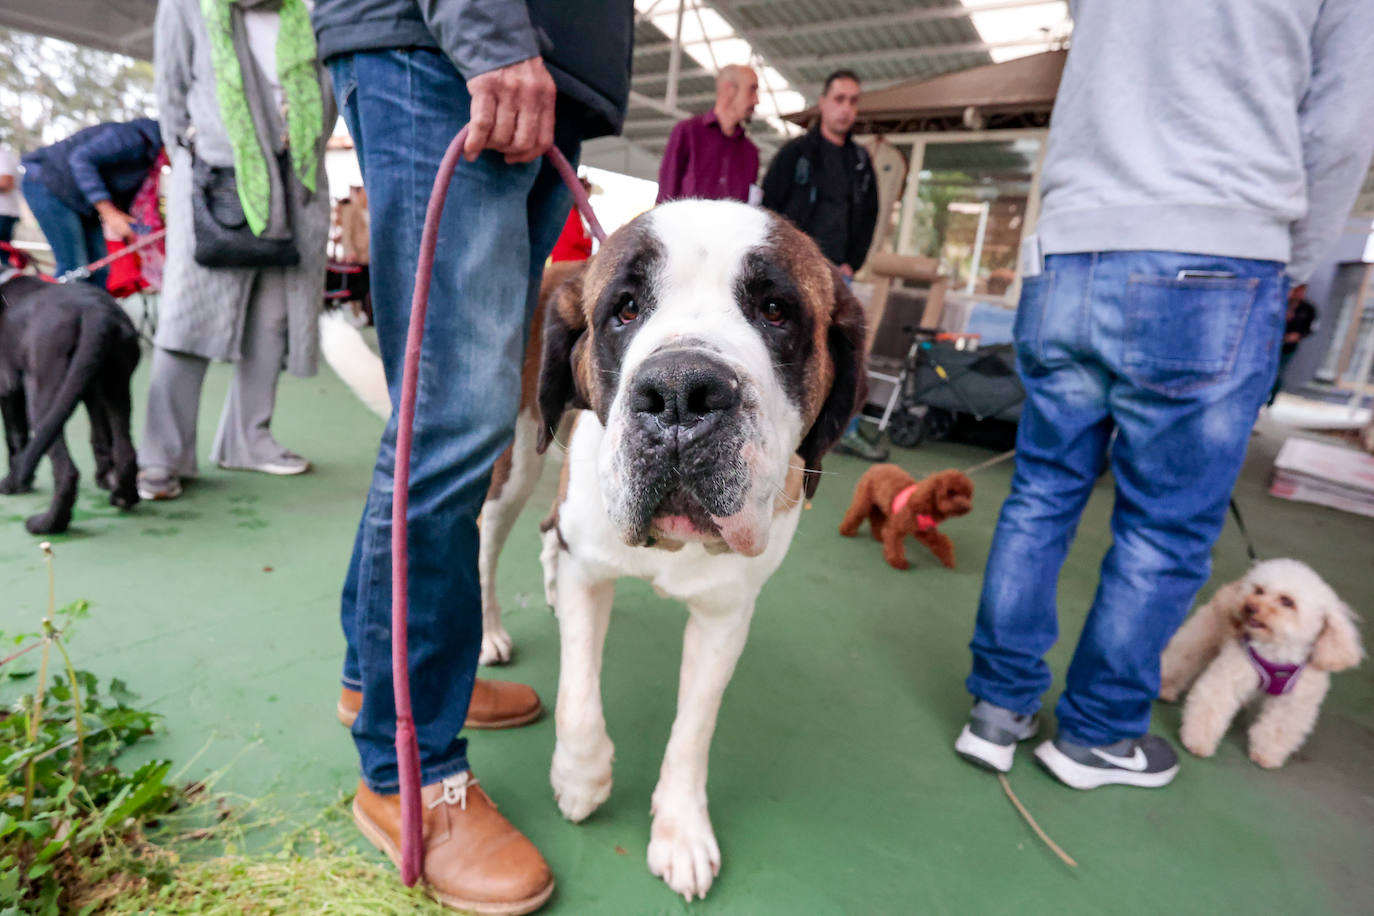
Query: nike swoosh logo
{"x": 1135, "y": 762}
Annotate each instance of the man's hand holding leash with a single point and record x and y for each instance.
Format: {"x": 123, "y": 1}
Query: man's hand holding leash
{"x": 512, "y": 111}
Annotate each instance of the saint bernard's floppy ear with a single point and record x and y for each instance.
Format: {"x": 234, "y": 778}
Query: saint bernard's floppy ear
{"x": 561, "y": 372}
{"x": 848, "y": 386}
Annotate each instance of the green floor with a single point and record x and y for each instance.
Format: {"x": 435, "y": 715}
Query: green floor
{"x": 833, "y": 785}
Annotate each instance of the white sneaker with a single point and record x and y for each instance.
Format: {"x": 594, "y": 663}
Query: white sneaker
{"x": 158, "y": 484}
{"x": 989, "y": 739}
{"x": 287, "y": 464}
{"x": 1147, "y": 762}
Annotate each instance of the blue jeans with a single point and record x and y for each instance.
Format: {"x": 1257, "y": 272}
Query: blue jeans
{"x": 76, "y": 239}
{"x": 499, "y": 225}
{"x": 1177, "y": 369}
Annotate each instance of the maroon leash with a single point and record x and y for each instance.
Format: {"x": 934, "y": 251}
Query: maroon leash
{"x": 407, "y": 748}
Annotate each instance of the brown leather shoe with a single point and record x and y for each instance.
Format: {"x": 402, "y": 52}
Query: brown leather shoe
{"x": 350, "y": 704}
{"x": 502, "y": 704}
{"x": 475, "y": 859}
{"x": 495, "y": 704}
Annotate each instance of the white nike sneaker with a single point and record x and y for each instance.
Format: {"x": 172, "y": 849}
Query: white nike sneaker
{"x": 1148, "y": 762}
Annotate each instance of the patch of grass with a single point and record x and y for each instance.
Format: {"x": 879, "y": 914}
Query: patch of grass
{"x": 79, "y": 835}
{"x": 341, "y": 884}
{"x": 192, "y": 865}
{"x": 64, "y": 801}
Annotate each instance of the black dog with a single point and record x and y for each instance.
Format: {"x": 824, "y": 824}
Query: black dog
{"x": 61, "y": 344}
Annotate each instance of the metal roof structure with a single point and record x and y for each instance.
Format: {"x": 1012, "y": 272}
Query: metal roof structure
{"x": 798, "y": 41}
{"x": 885, "y": 42}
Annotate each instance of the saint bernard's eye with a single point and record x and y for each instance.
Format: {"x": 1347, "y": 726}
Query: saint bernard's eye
{"x": 774, "y": 313}
{"x": 628, "y": 311}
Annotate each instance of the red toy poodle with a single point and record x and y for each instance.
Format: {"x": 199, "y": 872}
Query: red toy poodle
{"x": 896, "y": 505}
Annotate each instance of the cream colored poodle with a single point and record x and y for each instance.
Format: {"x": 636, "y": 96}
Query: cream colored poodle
{"x": 1273, "y": 637}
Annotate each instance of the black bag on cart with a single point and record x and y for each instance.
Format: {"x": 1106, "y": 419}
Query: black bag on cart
{"x": 972, "y": 396}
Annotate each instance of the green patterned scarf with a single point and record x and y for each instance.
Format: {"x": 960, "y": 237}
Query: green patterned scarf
{"x": 300, "y": 84}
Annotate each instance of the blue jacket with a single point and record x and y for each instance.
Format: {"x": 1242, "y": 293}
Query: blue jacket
{"x": 104, "y": 162}
{"x": 586, "y": 44}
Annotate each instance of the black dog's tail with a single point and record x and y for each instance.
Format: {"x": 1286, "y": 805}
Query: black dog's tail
{"x": 91, "y": 345}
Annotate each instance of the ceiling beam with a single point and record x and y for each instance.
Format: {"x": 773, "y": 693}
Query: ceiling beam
{"x": 647, "y": 125}
{"x": 675, "y": 58}
{"x": 849, "y": 58}
{"x": 696, "y": 98}
{"x": 662, "y": 76}
{"x": 727, "y": 11}
{"x": 850, "y": 23}
{"x": 842, "y": 58}
{"x": 648, "y": 14}
{"x": 648, "y": 101}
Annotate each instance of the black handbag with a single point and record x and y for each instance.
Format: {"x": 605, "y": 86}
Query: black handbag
{"x": 223, "y": 238}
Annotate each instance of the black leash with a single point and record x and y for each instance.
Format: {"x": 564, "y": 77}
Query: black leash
{"x": 1245, "y": 535}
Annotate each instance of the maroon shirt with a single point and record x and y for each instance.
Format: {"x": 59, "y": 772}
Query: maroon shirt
{"x": 700, "y": 161}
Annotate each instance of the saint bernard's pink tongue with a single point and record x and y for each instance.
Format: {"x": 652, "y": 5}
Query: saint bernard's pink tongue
{"x": 678, "y": 526}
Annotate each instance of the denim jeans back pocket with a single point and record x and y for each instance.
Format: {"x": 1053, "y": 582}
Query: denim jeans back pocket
{"x": 1028, "y": 329}
{"x": 1184, "y": 334}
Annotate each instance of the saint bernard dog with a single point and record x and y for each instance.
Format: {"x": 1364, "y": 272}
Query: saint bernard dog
{"x": 715, "y": 355}
{"x": 709, "y": 355}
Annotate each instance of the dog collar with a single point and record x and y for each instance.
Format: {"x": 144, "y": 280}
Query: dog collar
{"x": 923, "y": 522}
{"x": 1275, "y": 679}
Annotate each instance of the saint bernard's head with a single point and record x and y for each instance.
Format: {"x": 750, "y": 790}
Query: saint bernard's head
{"x": 720, "y": 350}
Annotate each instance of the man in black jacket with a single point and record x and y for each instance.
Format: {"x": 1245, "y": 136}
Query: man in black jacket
{"x": 408, "y": 75}
{"x": 824, "y": 183}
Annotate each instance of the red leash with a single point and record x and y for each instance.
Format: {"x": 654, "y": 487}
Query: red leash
{"x": 81, "y": 273}
{"x": 407, "y": 748}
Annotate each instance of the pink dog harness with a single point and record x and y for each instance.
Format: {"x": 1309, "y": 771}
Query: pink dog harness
{"x": 1275, "y": 679}
{"x": 923, "y": 522}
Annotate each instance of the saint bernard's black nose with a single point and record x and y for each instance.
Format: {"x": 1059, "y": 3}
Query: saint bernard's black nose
{"x": 684, "y": 390}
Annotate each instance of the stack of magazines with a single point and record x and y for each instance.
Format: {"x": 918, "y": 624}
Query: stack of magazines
{"x": 1324, "y": 473}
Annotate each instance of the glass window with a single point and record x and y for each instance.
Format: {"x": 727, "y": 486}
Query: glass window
{"x": 970, "y": 211}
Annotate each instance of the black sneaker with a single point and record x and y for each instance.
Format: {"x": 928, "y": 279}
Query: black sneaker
{"x": 989, "y": 739}
{"x": 1148, "y": 762}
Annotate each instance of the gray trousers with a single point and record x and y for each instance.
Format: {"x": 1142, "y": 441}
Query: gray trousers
{"x": 243, "y": 438}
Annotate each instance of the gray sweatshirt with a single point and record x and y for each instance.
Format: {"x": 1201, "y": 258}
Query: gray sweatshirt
{"x": 1240, "y": 128}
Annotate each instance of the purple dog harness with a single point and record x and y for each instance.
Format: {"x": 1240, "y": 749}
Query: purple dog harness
{"x": 1275, "y": 679}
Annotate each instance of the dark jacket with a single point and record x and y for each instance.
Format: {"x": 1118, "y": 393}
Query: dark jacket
{"x": 790, "y": 189}
{"x": 586, "y": 45}
{"x": 104, "y": 162}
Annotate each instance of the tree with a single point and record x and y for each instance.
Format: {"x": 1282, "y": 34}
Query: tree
{"x": 49, "y": 89}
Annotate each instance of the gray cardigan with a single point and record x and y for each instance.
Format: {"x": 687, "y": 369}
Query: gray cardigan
{"x": 203, "y": 309}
